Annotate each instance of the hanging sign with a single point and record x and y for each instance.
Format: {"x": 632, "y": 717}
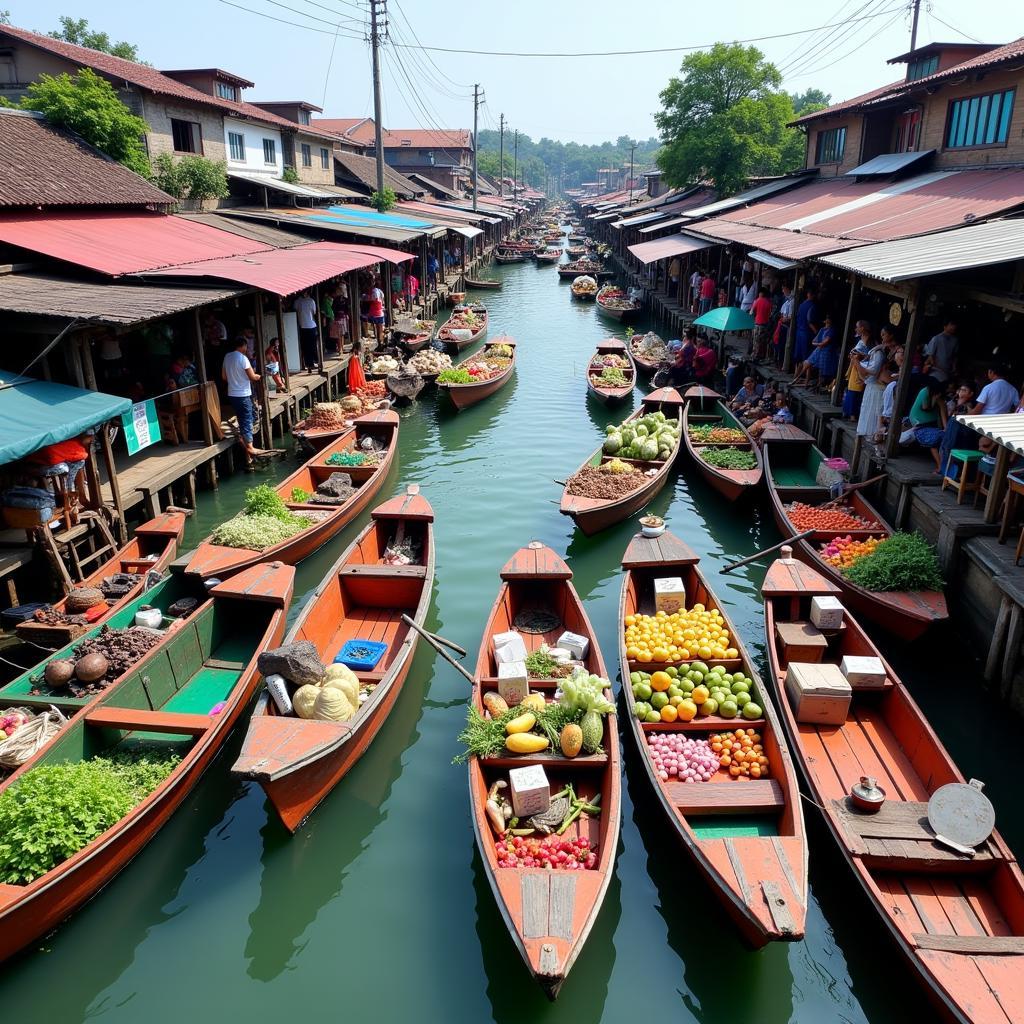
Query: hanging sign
{"x": 141, "y": 426}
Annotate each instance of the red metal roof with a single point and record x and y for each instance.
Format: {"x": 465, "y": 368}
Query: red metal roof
{"x": 670, "y": 245}
{"x": 380, "y": 252}
{"x": 120, "y": 242}
{"x": 792, "y": 245}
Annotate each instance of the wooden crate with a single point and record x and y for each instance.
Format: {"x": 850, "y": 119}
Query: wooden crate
{"x": 801, "y": 641}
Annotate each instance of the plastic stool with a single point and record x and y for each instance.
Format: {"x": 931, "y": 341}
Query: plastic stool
{"x": 983, "y": 479}
{"x": 967, "y": 457}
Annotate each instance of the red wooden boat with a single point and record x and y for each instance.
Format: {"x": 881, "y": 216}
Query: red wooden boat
{"x": 299, "y": 761}
{"x": 615, "y": 350}
{"x": 705, "y": 408}
{"x": 216, "y": 560}
{"x": 612, "y": 302}
{"x": 164, "y": 702}
{"x": 746, "y": 836}
{"x": 412, "y": 335}
{"x": 153, "y": 548}
{"x": 465, "y": 395}
{"x": 958, "y": 920}
{"x": 791, "y": 469}
{"x": 548, "y": 257}
{"x": 595, "y": 514}
{"x": 549, "y": 914}
{"x": 460, "y": 337}
{"x": 648, "y": 366}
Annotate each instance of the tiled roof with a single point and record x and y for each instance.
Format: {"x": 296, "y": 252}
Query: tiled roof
{"x": 42, "y": 165}
{"x": 343, "y": 126}
{"x": 362, "y": 130}
{"x": 364, "y": 169}
{"x": 850, "y": 104}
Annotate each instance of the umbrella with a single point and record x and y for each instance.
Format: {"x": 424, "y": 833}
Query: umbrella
{"x": 726, "y": 318}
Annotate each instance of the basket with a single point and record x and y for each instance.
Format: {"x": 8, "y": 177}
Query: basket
{"x": 347, "y": 655}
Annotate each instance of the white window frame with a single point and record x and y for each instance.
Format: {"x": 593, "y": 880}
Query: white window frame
{"x": 240, "y": 143}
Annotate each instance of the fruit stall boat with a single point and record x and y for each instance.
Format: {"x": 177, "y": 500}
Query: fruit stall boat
{"x": 379, "y": 429}
{"x": 641, "y": 346}
{"x": 576, "y": 267}
{"x": 412, "y": 335}
{"x": 465, "y": 395}
{"x": 548, "y": 257}
{"x": 612, "y": 302}
{"x": 463, "y": 330}
{"x": 611, "y": 355}
{"x": 584, "y": 288}
{"x": 592, "y": 515}
{"x": 957, "y": 916}
{"x": 708, "y": 417}
{"x": 298, "y": 761}
{"x": 549, "y": 913}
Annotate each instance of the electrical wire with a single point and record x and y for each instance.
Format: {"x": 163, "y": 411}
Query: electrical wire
{"x": 832, "y": 62}
{"x": 841, "y": 38}
{"x": 423, "y": 71}
{"x": 953, "y": 28}
{"x": 285, "y": 21}
{"x": 814, "y": 43}
{"x": 803, "y": 43}
{"x": 312, "y": 17}
{"x": 405, "y": 18}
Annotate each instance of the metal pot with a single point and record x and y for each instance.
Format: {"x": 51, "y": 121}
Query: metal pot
{"x": 867, "y": 795}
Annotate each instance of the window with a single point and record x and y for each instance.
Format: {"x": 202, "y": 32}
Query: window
{"x": 325, "y": 159}
{"x": 236, "y": 144}
{"x": 980, "y": 120}
{"x": 307, "y": 155}
{"x": 908, "y": 131}
{"x": 303, "y": 117}
{"x": 187, "y": 136}
{"x": 831, "y": 144}
{"x": 922, "y": 68}
{"x": 269, "y": 151}
{"x": 225, "y": 91}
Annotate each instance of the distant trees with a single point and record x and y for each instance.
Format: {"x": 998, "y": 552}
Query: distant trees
{"x": 191, "y": 177}
{"x": 77, "y": 31}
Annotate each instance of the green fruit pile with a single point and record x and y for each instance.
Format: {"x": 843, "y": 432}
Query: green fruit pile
{"x": 696, "y": 690}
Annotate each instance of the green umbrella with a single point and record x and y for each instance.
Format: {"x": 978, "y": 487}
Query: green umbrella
{"x": 726, "y": 318}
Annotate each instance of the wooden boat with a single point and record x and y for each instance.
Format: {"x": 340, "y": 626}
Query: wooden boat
{"x": 298, "y": 761}
{"x": 465, "y": 395}
{"x": 611, "y": 348}
{"x": 163, "y": 704}
{"x": 592, "y": 515}
{"x": 705, "y": 408}
{"x": 648, "y": 366}
{"x": 509, "y": 256}
{"x": 412, "y": 335}
{"x": 574, "y": 268}
{"x": 483, "y": 282}
{"x": 576, "y": 239}
{"x": 152, "y": 549}
{"x": 216, "y": 560}
{"x": 959, "y": 921}
{"x": 791, "y": 470}
{"x": 548, "y": 258}
{"x": 746, "y": 836}
{"x": 584, "y": 288}
{"x": 574, "y": 252}
{"x": 460, "y": 338}
{"x": 612, "y": 302}
{"x": 549, "y": 914}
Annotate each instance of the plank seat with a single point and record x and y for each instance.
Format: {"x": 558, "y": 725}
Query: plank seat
{"x": 133, "y": 719}
{"x": 224, "y": 663}
{"x": 977, "y": 945}
{"x": 140, "y": 565}
{"x": 755, "y": 796}
{"x": 413, "y": 572}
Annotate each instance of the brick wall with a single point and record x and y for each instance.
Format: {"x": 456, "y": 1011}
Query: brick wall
{"x": 158, "y": 116}
{"x": 316, "y": 174}
{"x": 853, "y": 123}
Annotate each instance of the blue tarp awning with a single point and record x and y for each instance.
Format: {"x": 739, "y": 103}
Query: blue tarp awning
{"x": 34, "y": 413}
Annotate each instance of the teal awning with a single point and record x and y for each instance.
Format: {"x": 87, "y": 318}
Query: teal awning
{"x": 34, "y": 413}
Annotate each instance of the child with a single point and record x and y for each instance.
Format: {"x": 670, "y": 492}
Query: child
{"x": 356, "y": 377}
{"x": 273, "y": 361}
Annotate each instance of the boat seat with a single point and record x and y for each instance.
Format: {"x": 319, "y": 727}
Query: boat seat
{"x": 138, "y": 565}
{"x": 412, "y": 572}
{"x": 133, "y": 719}
{"x": 755, "y": 796}
{"x": 976, "y": 945}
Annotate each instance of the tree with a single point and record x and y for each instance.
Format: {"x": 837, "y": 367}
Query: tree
{"x": 191, "y": 177}
{"x": 77, "y": 31}
{"x": 724, "y": 120}
{"x": 5, "y": 17}
{"x": 383, "y": 201}
{"x": 809, "y": 100}
{"x": 88, "y": 106}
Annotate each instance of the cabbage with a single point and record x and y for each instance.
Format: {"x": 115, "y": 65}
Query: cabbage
{"x": 649, "y": 450}
{"x": 612, "y": 443}
{"x": 332, "y": 705}
{"x": 304, "y": 700}
{"x": 610, "y": 429}
{"x": 628, "y": 435}
{"x": 344, "y": 679}
{"x": 642, "y": 430}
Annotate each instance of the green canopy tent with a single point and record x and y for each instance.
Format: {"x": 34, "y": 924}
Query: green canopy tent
{"x": 726, "y": 318}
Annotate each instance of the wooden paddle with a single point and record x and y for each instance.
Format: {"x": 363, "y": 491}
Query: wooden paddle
{"x": 766, "y": 551}
{"x": 853, "y": 487}
{"x": 429, "y": 637}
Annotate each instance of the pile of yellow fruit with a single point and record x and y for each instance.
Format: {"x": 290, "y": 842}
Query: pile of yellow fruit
{"x": 682, "y": 636}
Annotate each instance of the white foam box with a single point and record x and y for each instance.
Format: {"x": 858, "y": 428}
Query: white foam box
{"x": 863, "y": 673}
{"x": 513, "y": 682}
{"x": 827, "y": 612}
{"x": 531, "y": 791}
{"x": 669, "y": 595}
{"x": 508, "y": 647}
{"x": 818, "y": 694}
{"x": 575, "y": 644}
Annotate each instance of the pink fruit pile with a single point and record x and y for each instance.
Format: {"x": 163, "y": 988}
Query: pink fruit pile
{"x": 679, "y": 757}
{"x": 553, "y": 852}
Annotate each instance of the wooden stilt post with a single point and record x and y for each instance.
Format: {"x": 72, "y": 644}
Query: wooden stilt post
{"x": 283, "y": 347}
{"x": 261, "y": 369}
{"x": 88, "y": 370}
{"x": 903, "y": 387}
{"x": 115, "y": 484}
{"x": 787, "y": 359}
{"x": 205, "y": 412}
{"x": 837, "y": 387}
{"x": 319, "y": 331}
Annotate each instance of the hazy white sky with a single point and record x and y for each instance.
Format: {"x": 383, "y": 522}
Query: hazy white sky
{"x": 587, "y": 99}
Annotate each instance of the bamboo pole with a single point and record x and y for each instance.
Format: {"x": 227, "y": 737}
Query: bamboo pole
{"x": 429, "y": 637}
{"x": 789, "y": 541}
{"x": 261, "y": 363}
{"x": 837, "y": 387}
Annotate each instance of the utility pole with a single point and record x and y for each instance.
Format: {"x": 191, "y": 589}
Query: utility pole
{"x": 378, "y": 13}
{"x": 476, "y": 109}
{"x": 501, "y": 158}
{"x": 515, "y": 163}
{"x": 916, "y": 4}
{"x": 631, "y": 148}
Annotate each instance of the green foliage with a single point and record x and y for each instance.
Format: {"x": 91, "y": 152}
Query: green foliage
{"x": 5, "y": 17}
{"x": 77, "y": 31}
{"x": 724, "y": 120}
{"x": 191, "y": 177}
{"x": 905, "y": 561}
{"x": 454, "y": 376}
{"x": 729, "y": 458}
{"x": 88, "y": 105}
{"x": 265, "y": 501}
{"x": 383, "y": 201}
{"x": 257, "y": 532}
{"x": 57, "y": 809}
{"x": 290, "y": 175}
{"x": 809, "y": 100}
{"x": 299, "y": 496}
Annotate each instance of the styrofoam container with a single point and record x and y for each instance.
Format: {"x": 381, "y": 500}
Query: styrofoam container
{"x": 513, "y": 682}
{"x": 508, "y": 647}
{"x": 151, "y": 618}
{"x": 827, "y": 612}
{"x": 863, "y": 673}
{"x": 278, "y": 690}
{"x": 575, "y": 644}
{"x": 531, "y": 791}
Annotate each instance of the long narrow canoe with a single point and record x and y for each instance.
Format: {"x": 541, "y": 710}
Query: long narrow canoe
{"x": 648, "y": 366}
{"x": 153, "y": 548}
{"x": 517, "y": 256}
{"x": 488, "y": 283}
{"x": 607, "y": 299}
{"x": 298, "y": 761}
{"x": 791, "y": 471}
{"x": 449, "y": 337}
{"x": 548, "y": 258}
{"x": 958, "y": 921}
{"x": 216, "y": 560}
{"x": 605, "y": 392}
{"x": 746, "y": 836}
{"x": 164, "y": 704}
{"x": 549, "y": 914}
{"x": 595, "y": 514}
{"x": 705, "y": 408}
{"x": 465, "y": 395}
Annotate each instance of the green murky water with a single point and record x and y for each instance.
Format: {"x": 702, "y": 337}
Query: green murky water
{"x": 378, "y": 909}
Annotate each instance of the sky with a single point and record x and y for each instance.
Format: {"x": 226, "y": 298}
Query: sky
{"x": 585, "y": 99}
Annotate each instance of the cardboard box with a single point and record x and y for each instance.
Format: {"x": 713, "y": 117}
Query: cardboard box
{"x": 863, "y": 673}
{"x": 669, "y": 595}
{"x": 827, "y": 613}
{"x": 576, "y": 645}
{"x": 800, "y": 641}
{"x": 513, "y": 682}
{"x": 531, "y": 791}
{"x": 560, "y": 654}
{"x": 818, "y": 694}
{"x": 508, "y": 647}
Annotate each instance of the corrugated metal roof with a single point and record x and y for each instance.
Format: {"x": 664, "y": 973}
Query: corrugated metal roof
{"x": 670, "y": 223}
{"x": 996, "y": 241}
{"x": 366, "y": 216}
{"x": 1006, "y": 429}
{"x": 772, "y": 261}
{"x": 743, "y": 198}
{"x": 662, "y": 248}
{"x": 273, "y": 237}
{"x": 789, "y": 244}
{"x": 311, "y": 220}
{"x": 294, "y": 189}
{"x": 632, "y": 222}
{"x": 889, "y": 163}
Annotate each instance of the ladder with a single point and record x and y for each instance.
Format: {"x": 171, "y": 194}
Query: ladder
{"x": 73, "y": 550}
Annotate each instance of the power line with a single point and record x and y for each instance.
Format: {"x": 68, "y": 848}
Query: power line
{"x": 840, "y": 38}
{"x": 284, "y": 21}
{"x": 312, "y": 17}
{"x": 801, "y": 44}
{"x": 402, "y": 14}
{"x": 832, "y": 62}
{"x": 960, "y": 31}
{"x": 338, "y": 15}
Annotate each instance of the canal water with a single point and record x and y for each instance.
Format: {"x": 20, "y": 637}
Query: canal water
{"x": 378, "y": 909}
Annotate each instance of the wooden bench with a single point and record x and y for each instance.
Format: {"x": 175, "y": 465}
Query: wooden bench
{"x": 980, "y": 945}
{"x": 756, "y": 796}
{"x": 411, "y": 572}
{"x": 132, "y": 720}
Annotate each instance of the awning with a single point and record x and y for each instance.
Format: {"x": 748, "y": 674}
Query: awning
{"x": 979, "y": 245}
{"x": 673, "y": 222}
{"x": 381, "y": 252}
{"x": 750, "y": 196}
{"x": 365, "y": 216}
{"x": 278, "y": 185}
{"x": 772, "y": 261}
{"x": 312, "y": 220}
{"x": 662, "y": 248}
{"x": 464, "y": 231}
{"x": 34, "y": 413}
{"x": 119, "y": 241}
{"x": 632, "y": 222}
{"x": 792, "y": 245}
{"x": 1006, "y": 429}
{"x": 889, "y": 163}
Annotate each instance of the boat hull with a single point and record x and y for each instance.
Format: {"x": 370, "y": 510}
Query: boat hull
{"x": 732, "y": 484}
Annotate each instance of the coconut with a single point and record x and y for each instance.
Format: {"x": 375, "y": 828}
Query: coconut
{"x": 91, "y": 668}
{"x": 59, "y": 673}
{"x": 81, "y": 599}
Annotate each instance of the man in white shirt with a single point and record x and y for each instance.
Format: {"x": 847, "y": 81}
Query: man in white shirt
{"x": 238, "y": 374}
{"x": 940, "y": 353}
{"x": 998, "y": 396}
{"x": 747, "y": 294}
{"x": 695, "y": 279}
{"x": 305, "y": 312}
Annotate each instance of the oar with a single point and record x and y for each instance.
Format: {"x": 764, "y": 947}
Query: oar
{"x": 853, "y": 487}
{"x": 766, "y": 551}
{"x": 429, "y": 637}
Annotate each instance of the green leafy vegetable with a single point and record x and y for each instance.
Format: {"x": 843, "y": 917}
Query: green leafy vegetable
{"x": 454, "y": 376}
{"x": 299, "y": 496}
{"x": 904, "y": 561}
{"x": 729, "y": 458}
{"x": 265, "y": 501}
{"x": 257, "y": 532}
{"x": 540, "y": 664}
{"x": 585, "y": 692}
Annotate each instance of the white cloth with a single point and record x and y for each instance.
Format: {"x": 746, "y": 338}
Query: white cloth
{"x": 305, "y": 309}
{"x": 871, "y": 404}
{"x": 747, "y": 296}
{"x": 786, "y": 309}
{"x": 942, "y": 351}
{"x": 235, "y": 366}
{"x": 889, "y": 398}
{"x": 998, "y": 396}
